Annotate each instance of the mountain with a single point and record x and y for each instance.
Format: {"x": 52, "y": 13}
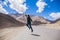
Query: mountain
{"x": 8, "y": 21}
{"x": 15, "y": 20}
{"x": 37, "y": 20}
{"x": 56, "y": 21}
{"x": 19, "y": 17}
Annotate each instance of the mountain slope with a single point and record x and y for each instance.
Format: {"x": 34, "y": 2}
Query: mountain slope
{"x": 56, "y": 21}
{"x": 8, "y": 21}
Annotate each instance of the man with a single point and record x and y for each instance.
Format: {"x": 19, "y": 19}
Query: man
{"x": 29, "y": 20}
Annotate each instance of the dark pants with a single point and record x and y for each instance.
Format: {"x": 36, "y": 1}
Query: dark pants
{"x": 29, "y": 26}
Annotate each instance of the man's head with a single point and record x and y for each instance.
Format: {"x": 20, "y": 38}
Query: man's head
{"x": 28, "y": 15}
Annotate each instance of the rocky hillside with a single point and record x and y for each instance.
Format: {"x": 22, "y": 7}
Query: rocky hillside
{"x": 8, "y": 21}
{"x": 36, "y": 19}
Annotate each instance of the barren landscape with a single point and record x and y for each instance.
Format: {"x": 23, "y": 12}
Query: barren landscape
{"x": 14, "y": 28}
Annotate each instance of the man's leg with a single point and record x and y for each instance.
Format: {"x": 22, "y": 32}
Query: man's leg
{"x": 31, "y": 28}
{"x": 28, "y": 26}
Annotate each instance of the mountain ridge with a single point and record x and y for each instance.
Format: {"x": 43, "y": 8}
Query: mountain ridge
{"x": 8, "y": 21}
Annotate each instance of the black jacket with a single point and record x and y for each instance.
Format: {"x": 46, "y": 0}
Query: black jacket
{"x": 29, "y": 20}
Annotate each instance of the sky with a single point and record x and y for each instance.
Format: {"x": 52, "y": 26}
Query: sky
{"x": 49, "y": 9}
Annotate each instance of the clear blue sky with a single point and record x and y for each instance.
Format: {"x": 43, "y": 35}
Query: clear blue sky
{"x": 53, "y": 6}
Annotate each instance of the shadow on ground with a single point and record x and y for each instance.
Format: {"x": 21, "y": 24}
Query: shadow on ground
{"x": 36, "y": 35}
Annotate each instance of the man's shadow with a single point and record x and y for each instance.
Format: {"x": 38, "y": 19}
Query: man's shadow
{"x": 36, "y": 35}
